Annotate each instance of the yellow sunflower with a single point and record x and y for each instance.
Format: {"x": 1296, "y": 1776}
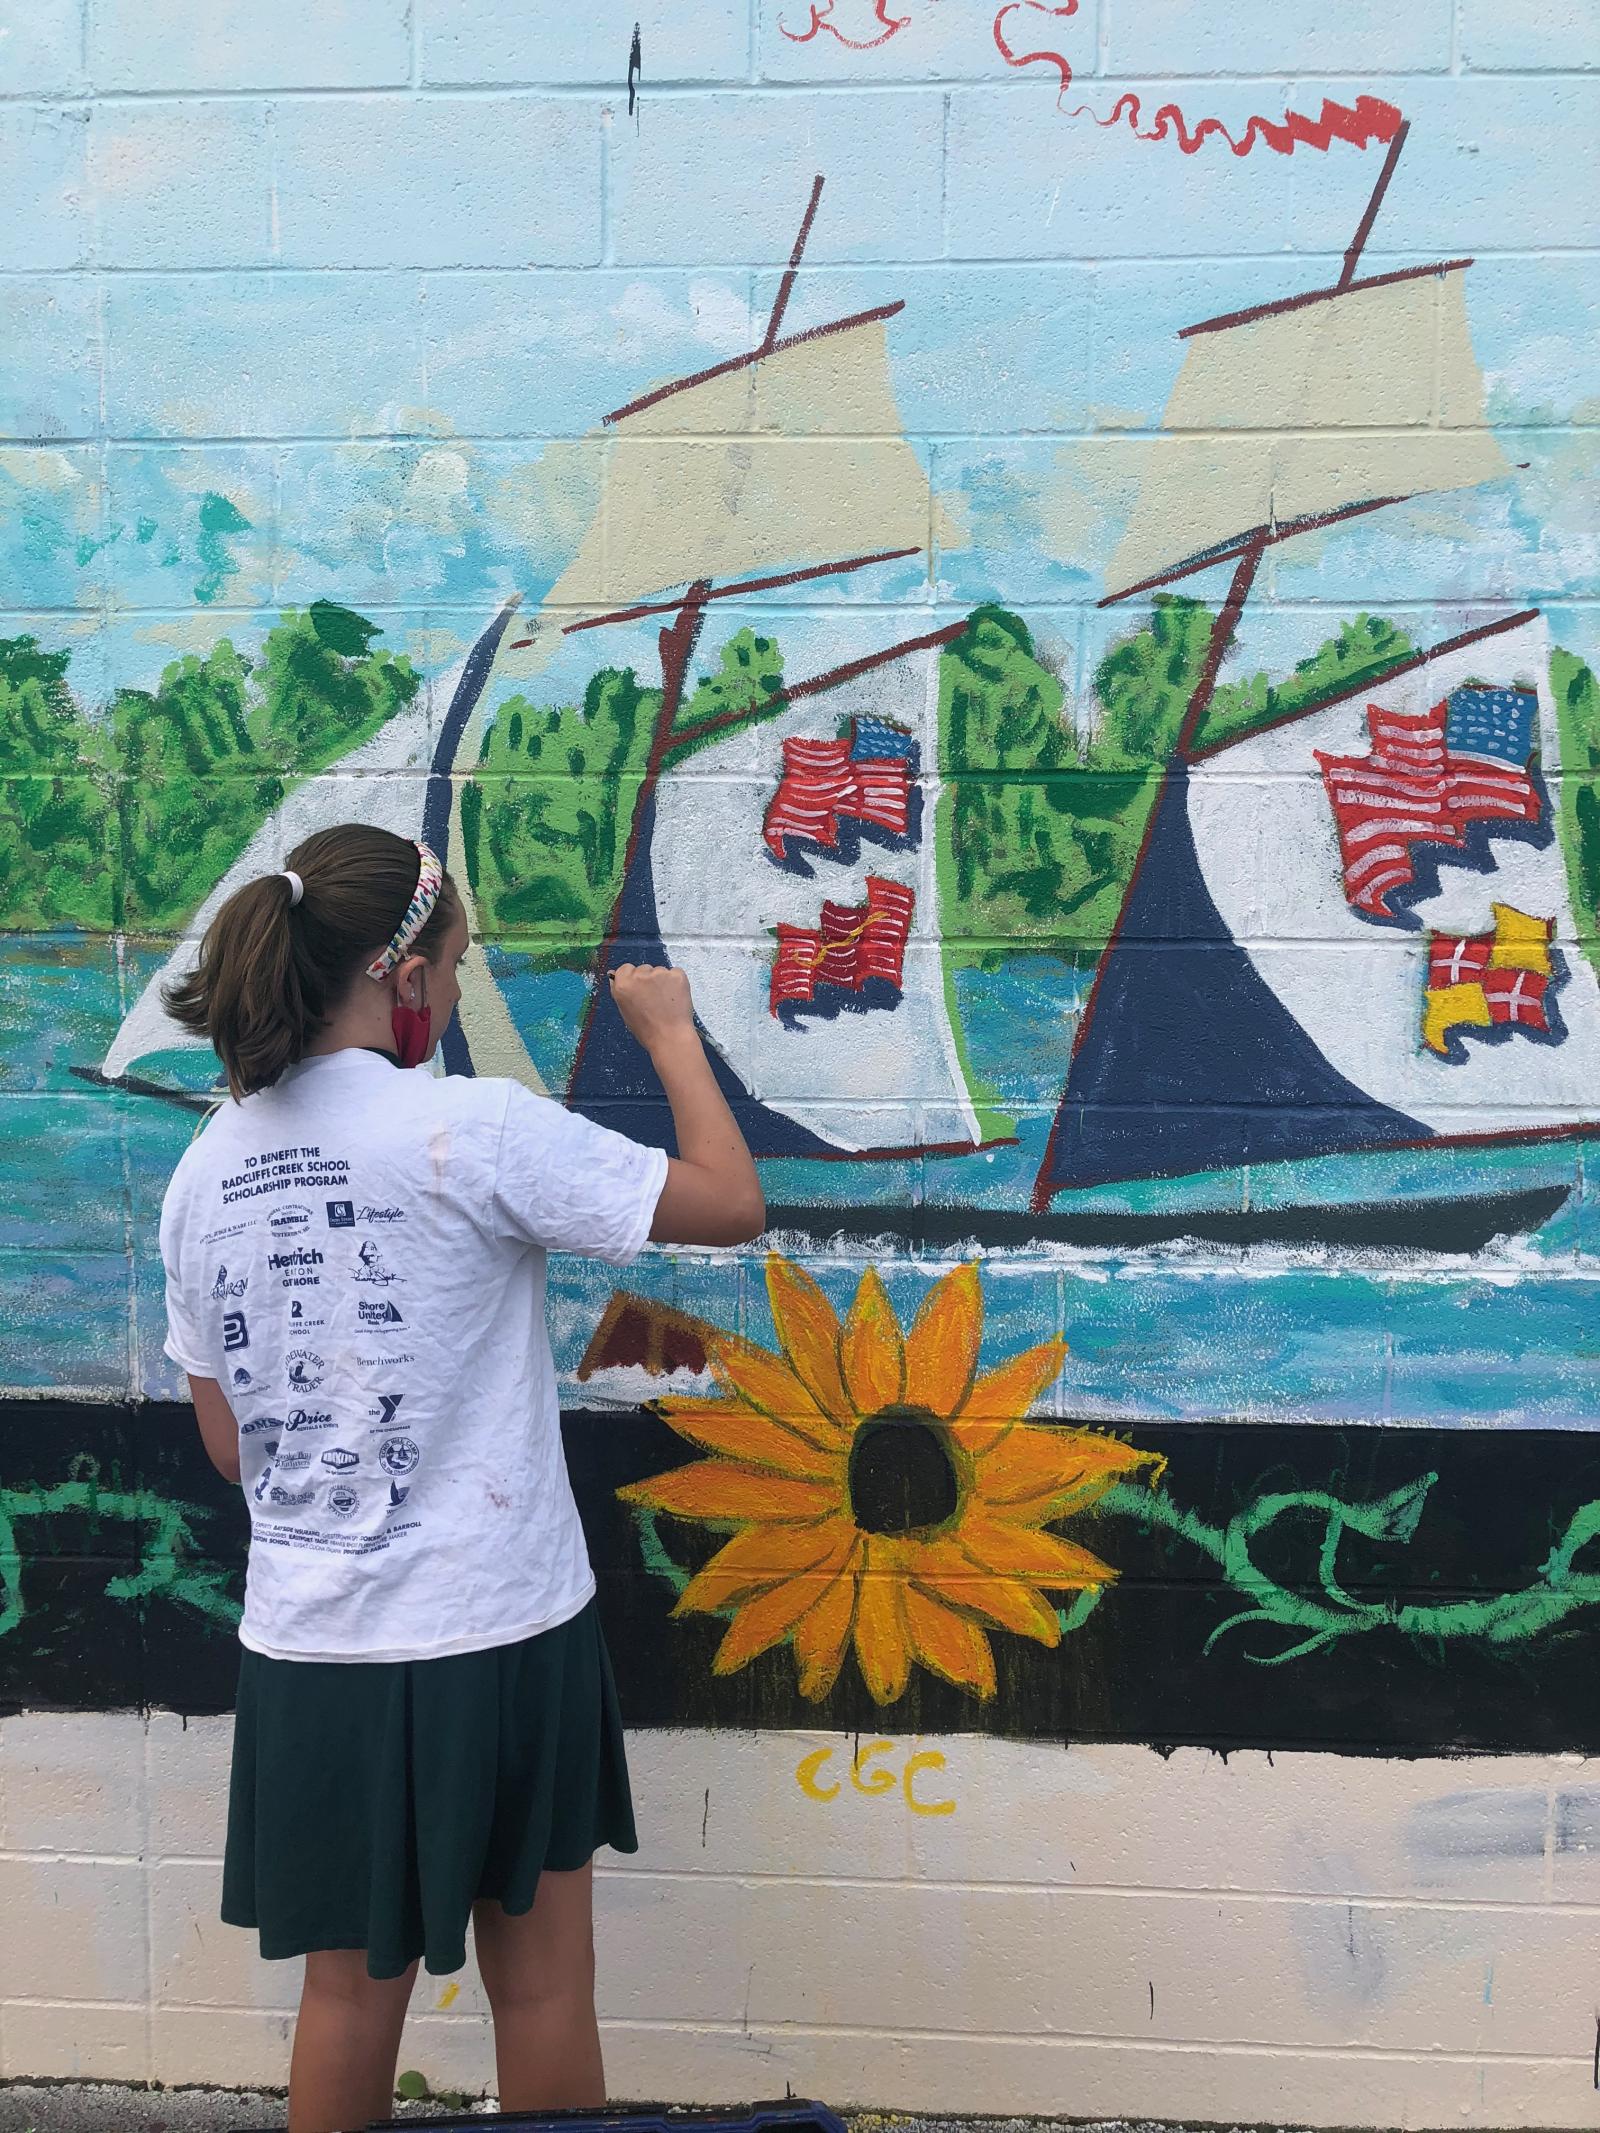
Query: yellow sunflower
{"x": 880, "y": 1491}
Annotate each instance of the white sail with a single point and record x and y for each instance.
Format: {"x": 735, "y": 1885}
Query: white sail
{"x": 887, "y": 1077}
{"x": 384, "y": 783}
{"x": 794, "y": 459}
{"x": 1269, "y": 850}
{"x": 1374, "y": 393}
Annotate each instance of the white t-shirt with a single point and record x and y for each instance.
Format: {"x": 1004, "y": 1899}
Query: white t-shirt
{"x": 357, "y": 1255}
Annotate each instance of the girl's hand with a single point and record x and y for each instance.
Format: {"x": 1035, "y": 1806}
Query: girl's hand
{"x": 654, "y": 1003}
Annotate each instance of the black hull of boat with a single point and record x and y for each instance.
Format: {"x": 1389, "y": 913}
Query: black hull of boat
{"x": 1461, "y": 1223}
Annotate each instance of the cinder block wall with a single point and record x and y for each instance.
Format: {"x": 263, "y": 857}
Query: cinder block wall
{"x": 324, "y": 301}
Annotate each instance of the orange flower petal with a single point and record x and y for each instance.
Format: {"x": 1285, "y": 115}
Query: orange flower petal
{"x": 721, "y": 1494}
{"x": 883, "y": 1644}
{"x": 1005, "y": 1394}
{"x": 728, "y": 1426}
{"x": 822, "y": 1635}
{"x": 766, "y": 1621}
{"x": 948, "y": 1644}
{"x": 1022, "y": 1552}
{"x": 871, "y": 1349}
{"x": 766, "y": 1381}
{"x": 944, "y": 1569}
{"x": 765, "y": 1555}
{"x": 942, "y": 1346}
{"x": 808, "y": 1332}
{"x": 1036, "y": 1474}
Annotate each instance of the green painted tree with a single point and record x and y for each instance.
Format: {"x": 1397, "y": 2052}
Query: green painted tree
{"x": 131, "y": 819}
{"x": 1362, "y": 650}
{"x": 1577, "y": 699}
{"x": 1038, "y": 830}
{"x": 205, "y": 756}
{"x": 57, "y": 836}
{"x": 547, "y": 819}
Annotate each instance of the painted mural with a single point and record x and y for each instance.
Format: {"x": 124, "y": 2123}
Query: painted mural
{"x": 1116, "y": 748}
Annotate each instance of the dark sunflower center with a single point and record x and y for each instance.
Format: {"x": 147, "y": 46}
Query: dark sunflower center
{"x": 902, "y": 1477}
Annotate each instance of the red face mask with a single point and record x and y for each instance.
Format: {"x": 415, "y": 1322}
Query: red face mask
{"x": 412, "y": 1028}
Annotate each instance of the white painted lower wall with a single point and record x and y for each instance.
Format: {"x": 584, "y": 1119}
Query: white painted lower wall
{"x": 1010, "y": 1928}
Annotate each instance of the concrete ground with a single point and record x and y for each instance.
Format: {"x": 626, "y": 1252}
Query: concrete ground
{"x": 73, "y": 2107}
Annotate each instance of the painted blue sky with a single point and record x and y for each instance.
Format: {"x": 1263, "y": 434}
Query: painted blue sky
{"x": 395, "y": 407}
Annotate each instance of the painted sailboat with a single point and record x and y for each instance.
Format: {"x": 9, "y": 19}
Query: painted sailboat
{"x": 782, "y": 852}
{"x": 397, "y": 780}
{"x": 1348, "y": 934}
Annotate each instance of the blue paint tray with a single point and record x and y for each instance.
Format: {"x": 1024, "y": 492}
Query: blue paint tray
{"x": 791, "y": 2116}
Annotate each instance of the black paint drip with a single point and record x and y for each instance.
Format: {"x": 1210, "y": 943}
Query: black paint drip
{"x": 635, "y": 63}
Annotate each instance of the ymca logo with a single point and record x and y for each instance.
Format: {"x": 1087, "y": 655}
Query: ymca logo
{"x": 387, "y": 1408}
{"x": 379, "y": 1314}
{"x": 235, "y": 1332}
{"x": 223, "y": 1286}
{"x": 341, "y": 1214}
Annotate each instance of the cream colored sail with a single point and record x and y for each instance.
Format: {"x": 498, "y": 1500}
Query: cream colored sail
{"x": 1370, "y": 394}
{"x": 795, "y": 459}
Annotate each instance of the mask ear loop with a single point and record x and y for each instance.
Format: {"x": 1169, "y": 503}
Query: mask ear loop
{"x": 412, "y": 1027}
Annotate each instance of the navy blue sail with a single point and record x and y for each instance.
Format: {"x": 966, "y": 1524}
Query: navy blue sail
{"x": 1189, "y": 1061}
{"x": 613, "y": 1081}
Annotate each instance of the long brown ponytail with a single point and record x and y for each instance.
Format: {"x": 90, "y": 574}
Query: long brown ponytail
{"x": 270, "y": 971}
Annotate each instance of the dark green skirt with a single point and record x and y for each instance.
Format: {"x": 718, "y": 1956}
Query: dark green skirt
{"x": 373, "y": 1804}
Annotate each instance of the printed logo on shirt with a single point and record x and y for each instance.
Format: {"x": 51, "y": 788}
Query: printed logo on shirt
{"x": 290, "y": 1459}
{"x": 235, "y": 1332}
{"x": 261, "y": 1486}
{"x": 261, "y": 1422}
{"x": 309, "y": 1418}
{"x": 384, "y": 1362}
{"x": 306, "y": 1370}
{"x": 340, "y": 1460}
{"x": 227, "y": 1284}
{"x": 221, "y": 1236}
{"x": 380, "y": 1217}
{"x": 387, "y": 1408}
{"x": 289, "y": 1221}
{"x": 291, "y": 1496}
{"x": 242, "y": 1380}
{"x": 398, "y": 1455}
{"x": 343, "y": 1501}
{"x": 373, "y": 1266}
{"x": 378, "y": 1314}
{"x": 304, "y": 1315}
{"x": 397, "y": 1495}
{"x": 295, "y": 1266}
{"x": 341, "y": 1214}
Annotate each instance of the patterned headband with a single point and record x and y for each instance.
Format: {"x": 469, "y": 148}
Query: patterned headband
{"x": 430, "y": 879}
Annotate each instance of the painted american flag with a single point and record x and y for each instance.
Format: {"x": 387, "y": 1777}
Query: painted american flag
{"x": 1427, "y": 780}
{"x": 863, "y": 776}
{"x": 851, "y": 945}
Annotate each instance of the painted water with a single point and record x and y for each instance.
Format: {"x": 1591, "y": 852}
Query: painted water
{"x": 1510, "y": 1336}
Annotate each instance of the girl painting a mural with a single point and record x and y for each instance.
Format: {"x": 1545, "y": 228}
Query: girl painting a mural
{"x": 427, "y": 1728}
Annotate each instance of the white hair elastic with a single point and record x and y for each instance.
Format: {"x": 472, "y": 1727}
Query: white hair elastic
{"x": 297, "y": 887}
